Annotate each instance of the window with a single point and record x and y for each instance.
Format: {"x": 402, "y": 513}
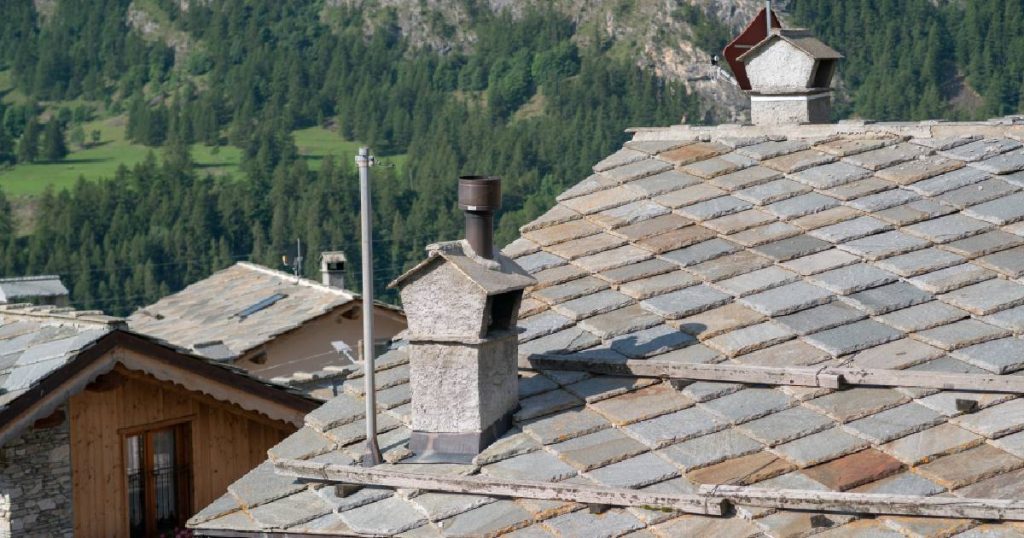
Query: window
{"x": 159, "y": 470}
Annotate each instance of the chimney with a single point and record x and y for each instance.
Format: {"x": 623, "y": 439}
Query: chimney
{"x": 332, "y": 269}
{"x": 480, "y": 197}
{"x": 790, "y": 75}
{"x": 462, "y": 307}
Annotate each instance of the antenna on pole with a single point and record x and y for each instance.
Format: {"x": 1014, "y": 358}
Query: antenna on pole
{"x": 364, "y": 161}
{"x": 295, "y": 264}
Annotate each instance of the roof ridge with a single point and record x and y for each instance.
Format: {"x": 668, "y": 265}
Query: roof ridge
{"x": 53, "y": 313}
{"x": 29, "y": 278}
{"x": 301, "y": 281}
{"x": 1011, "y": 126}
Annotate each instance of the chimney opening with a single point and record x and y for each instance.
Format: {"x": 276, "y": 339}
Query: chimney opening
{"x": 501, "y": 311}
{"x": 823, "y": 73}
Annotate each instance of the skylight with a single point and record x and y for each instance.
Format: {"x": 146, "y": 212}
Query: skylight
{"x": 266, "y": 302}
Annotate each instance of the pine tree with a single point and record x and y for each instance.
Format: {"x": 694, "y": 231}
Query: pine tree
{"x": 28, "y": 146}
{"x": 54, "y": 148}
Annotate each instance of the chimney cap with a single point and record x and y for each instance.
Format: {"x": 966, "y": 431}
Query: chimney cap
{"x": 802, "y": 39}
{"x": 499, "y": 275}
{"x": 480, "y": 193}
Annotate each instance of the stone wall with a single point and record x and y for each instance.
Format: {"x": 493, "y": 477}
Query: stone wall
{"x": 35, "y": 484}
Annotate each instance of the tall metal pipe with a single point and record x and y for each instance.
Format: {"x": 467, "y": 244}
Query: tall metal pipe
{"x": 480, "y": 198}
{"x": 364, "y": 161}
{"x": 768, "y": 16}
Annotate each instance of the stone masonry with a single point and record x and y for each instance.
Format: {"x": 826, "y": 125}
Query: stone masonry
{"x": 35, "y": 484}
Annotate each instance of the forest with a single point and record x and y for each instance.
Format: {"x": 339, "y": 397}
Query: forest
{"x": 531, "y": 102}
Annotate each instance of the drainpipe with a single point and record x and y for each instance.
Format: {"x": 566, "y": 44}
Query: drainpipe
{"x": 372, "y": 456}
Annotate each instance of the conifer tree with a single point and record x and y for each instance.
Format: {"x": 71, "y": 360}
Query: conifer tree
{"x": 28, "y": 146}
{"x": 54, "y": 148}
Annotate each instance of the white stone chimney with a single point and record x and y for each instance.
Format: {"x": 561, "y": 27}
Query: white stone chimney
{"x": 790, "y": 75}
{"x": 332, "y": 269}
{"x": 462, "y": 309}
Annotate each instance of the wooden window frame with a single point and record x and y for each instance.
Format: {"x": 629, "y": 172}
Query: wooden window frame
{"x": 182, "y": 428}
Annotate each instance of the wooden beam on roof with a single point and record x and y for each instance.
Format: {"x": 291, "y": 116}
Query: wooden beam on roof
{"x": 482, "y": 485}
{"x": 869, "y": 503}
{"x": 712, "y": 500}
{"x": 832, "y": 378}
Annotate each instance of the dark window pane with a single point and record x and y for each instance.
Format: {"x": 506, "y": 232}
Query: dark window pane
{"x": 165, "y": 479}
{"x": 136, "y": 485}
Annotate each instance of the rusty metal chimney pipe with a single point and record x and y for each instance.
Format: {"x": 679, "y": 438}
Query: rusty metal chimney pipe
{"x": 480, "y": 198}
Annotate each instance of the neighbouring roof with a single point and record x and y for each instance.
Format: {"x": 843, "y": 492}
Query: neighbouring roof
{"x": 799, "y": 38}
{"x": 236, "y": 310}
{"x": 49, "y": 353}
{"x": 14, "y": 289}
{"x": 492, "y": 276}
{"x": 892, "y": 248}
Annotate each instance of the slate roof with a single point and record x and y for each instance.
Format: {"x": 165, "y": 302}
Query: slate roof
{"x": 14, "y": 289}
{"x": 35, "y": 341}
{"x": 887, "y": 246}
{"x": 222, "y": 315}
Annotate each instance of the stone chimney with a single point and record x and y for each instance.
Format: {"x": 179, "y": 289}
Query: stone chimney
{"x": 462, "y": 308}
{"x": 790, "y": 76}
{"x": 332, "y": 269}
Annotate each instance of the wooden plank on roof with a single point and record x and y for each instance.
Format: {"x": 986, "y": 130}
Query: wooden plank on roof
{"x": 481, "y": 485}
{"x": 831, "y": 378}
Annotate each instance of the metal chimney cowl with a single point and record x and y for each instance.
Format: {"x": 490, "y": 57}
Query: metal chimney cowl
{"x": 462, "y": 306}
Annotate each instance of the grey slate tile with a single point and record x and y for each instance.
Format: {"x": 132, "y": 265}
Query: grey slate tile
{"x": 852, "y": 278}
{"x": 565, "y": 425}
{"x": 675, "y": 427}
{"x": 895, "y": 423}
{"x": 956, "y": 277}
{"x": 643, "y": 470}
{"x": 1012, "y": 319}
{"x": 658, "y": 285}
{"x": 636, "y": 170}
{"x": 979, "y": 193}
{"x": 821, "y": 262}
{"x": 803, "y": 205}
{"x": 757, "y": 281}
{"x": 923, "y": 316}
{"x": 583, "y": 523}
{"x": 887, "y": 156}
{"x": 539, "y": 261}
{"x": 995, "y": 421}
{"x": 854, "y": 337}
{"x": 821, "y": 318}
{"x": 961, "y": 334}
{"x": 750, "y": 338}
{"x": 794, "y": 247}
{"x": 664, "y": 182}
{"x": 884, "y": 245}
{"x": 488, "y": 520}
{"x": 787, "y": 299}
{"x": 767, "y": 233}
{"x": 1008, "y": 262}
{"x": 545, "y": 404}
{"x": 902, "y": 484}
{"x": 949, "y": 228}
{"x": 564, "y": 341}
{"x": 686, "y": 302}
{"x": 637, "y": 271}
{"x": 537, "y": 465}
{"x": 791, "y": 353}
{"x": 711, "y": 449}
{"x": 1001, "y": 211}
{"x": 701, "y": 252}
{"x": 820, "y": 447}
{"x": 593, "y": 304}
{"x": 884, "y": 200}
{"x": 831, "y": 175}
{"x": 851, "y": 229}
{"x": 650, "y": 342}
{"x": 787, "y": 425}
{"x": 542, "y": 324}
{"x": 981, "y": 150}
{"x": 597, "y": 449}
{"x": 772, "y": 149}
{"x": 920, "y": 262}
{"x": 748, "y": 177}
{"x": 1001, "y": 356}
{"x": 987, "y": 297}
{"x": 619, "y": 322}
{"x": 983, "y": 244}
{"x": 713, "y": 209}
{"x": 631, "y": 213}
{"x": 851, "y": 404}
{"x": 949, "y": 181}
{"x": 749, "y": 404}
{"x": 885, "y": 299}
{"x": 386, "y": 517}
{"x": 775, "y": 191}
{"x": 916, "y": 211}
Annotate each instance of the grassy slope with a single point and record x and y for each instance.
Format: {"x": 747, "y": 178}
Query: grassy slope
{"x": 103, "y": 160}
